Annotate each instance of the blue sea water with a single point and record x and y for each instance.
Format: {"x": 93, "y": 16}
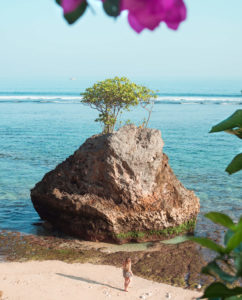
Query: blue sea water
{"x": 39, "y": 130}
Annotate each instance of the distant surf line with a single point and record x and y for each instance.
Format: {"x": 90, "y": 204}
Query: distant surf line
{"x": 161, "y": 99}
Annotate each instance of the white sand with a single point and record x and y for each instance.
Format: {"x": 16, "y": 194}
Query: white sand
{"x": 56, "y": 280}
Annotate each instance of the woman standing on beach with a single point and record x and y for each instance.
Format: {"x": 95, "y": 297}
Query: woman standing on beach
{"x": 127, "y": 273}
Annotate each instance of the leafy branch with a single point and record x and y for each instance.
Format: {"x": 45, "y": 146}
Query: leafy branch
{"x": 232, "y": 125}
{"x": 229, "y": 255}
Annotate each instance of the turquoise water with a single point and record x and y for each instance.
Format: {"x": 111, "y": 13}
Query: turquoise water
{"x": 39, "y": 131}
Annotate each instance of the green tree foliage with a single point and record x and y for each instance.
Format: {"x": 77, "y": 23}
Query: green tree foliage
{"x": 112, "y": 96}
{"x": 232, "y": 125}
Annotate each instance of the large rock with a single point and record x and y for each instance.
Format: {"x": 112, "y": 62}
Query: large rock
{"x": 116, "y": 187}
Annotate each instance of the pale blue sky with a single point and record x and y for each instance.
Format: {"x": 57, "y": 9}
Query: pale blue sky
{"x": 37, "y": 45}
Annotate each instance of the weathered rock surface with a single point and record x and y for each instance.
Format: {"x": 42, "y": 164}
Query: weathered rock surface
{"x": 115, "y": 185}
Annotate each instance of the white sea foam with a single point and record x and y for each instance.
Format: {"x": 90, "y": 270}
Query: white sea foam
{"x": 38, "y": 98}
{"x": 198, "y": 99}
{"x": 203, "y": 99}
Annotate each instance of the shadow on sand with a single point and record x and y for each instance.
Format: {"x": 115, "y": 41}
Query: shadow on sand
{"x": 89, "y": 281}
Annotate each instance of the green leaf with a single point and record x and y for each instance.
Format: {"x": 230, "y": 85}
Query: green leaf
{"x": 235, "y": 165}
{"x": 238, "y": 264}
{"x": 218, "y": 289}
{"x": 238, "y": 249}
{"x": 205, "y": 242}
{"x": 58, "y": 2}
{"x": 220, "y": 219}
{"x": 214, "y": 269}
{"x": 240, "y": 222}
{"x": 235, "y": 120}
{"x": 234, "y": 241}
{"x": 234, "y": 297}
{"x": 228, "y": 236}
{"x": 76, "y": 14}
{"x": 112, "y": 7}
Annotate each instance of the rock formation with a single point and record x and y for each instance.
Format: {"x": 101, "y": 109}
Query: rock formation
{"x": 116, "y": 187}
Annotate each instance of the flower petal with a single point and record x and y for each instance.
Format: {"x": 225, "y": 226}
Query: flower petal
{"x": 176, "y": 15}
{"x": 150, "y": 13}
{"x": 134, "y": 23}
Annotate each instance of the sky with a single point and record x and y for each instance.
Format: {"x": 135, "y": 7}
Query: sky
{"x": 38, "y": 47}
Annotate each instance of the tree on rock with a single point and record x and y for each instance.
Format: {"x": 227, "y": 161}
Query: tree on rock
{"x": 112, "y": 96}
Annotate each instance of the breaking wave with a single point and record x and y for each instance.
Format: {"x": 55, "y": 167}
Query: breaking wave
{"x": 161, "y": 99}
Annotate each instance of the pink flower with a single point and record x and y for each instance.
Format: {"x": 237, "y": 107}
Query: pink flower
{"x": 70, "y": 5}
{"x": 150, "y": 13}
{"x": 141, "y": 13}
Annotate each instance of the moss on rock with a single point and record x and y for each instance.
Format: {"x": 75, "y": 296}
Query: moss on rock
{"x": 138, "y": 236}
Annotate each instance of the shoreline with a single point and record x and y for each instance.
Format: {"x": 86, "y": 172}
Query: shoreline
{"x": 176, "y": 265}
{"x": 50, "y": 280}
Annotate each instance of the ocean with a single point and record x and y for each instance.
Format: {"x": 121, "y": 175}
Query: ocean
{"x": 38, "y": 130}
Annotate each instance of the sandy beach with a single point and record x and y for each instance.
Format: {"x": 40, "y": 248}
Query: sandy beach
{"x": 50, "y": 280}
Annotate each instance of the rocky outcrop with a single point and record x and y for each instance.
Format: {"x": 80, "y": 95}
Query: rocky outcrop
{"x": 116, "y": 187}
